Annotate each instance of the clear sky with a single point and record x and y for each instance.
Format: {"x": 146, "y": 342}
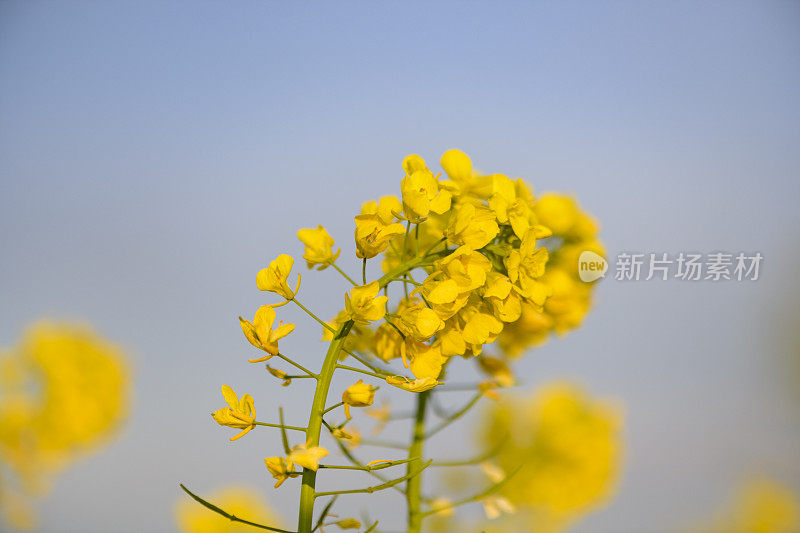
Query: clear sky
{"x": 155, "y": 155}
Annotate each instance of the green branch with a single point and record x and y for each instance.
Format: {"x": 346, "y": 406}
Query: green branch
{"x": 229, "y": 516}
{"x": 455, "y": 416}
{"x": 375, "y": 488}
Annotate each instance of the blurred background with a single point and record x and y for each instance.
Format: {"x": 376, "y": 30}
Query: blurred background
{"x": 155, "y": 155}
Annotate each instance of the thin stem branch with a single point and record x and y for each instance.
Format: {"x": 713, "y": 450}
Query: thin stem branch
{"x": 348, "y": 278}
{"x": 295, "y": 428}
{"x": 477, "y": 459}
{"x": 364, "y": 270}
{"x": 368, "y": 468}
{"x": 229, "y": 516}
{"x": 455, "y": 416}
{"x": 494, "y": 488}
{"x": 315, "y": 317}
{"x": 360, "y": 371}
{"x": 375, "y": 488}
{"x": 298, "y": 366}
{"x": 332, "y": 407}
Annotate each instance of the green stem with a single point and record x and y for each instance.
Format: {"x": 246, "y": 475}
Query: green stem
{"x": 455, "y": 416}
{"x": 367, "y": 372}
{"x": 414, "y": 485}
{"x": 332, "y": 407}
{"x": 315, "y": 317}
{"x": 295, "y": 428}
{"x": 364, "y": 271}
{"x": 382, "y": 486}
{"x": 297, "y": 365}
{"x": 307, "y": 492}
{"x": 348, "y": 278}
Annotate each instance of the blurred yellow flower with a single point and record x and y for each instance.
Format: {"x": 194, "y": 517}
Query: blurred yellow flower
{"x": 239, "y": 501}
{"x": 260, "y": 332}
{"x": 569, "y": 445}
{"x": 240, "y": 414}
{"x": 761, "y": 505}
{"x": 319, "y": 247}
{"x": 64, "y": 391}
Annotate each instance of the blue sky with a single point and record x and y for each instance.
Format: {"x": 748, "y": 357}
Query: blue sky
{"x": 155, "y": 155}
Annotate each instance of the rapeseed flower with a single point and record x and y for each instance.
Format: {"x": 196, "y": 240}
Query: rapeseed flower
{"x": 319, "y": 247}
{"x": 275, "y": 277}
{"x": 363, "y": 305}
{"x": 240, "y": 414}
{"x": 359, "y": 394}
{"x": 261, "y": 334}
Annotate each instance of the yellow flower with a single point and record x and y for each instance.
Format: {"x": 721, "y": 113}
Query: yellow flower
{"x": 420, "y": 322}
{"x": 280, "y": 469}
{"x": 358, "y": 395}
{"x": 426, "y": 360}
{"x": 451, "y": 339}
{"x": 564, "y": 217}
{"x": 274, "y": 277}
{"x": 480, "y": 327}
{"x": 319, "y": 247}
{"x": 260, "y": 332}
{"x": 363, "y": 305}
{"x": 307, "y": 456}
{"x": 467, "y": 267}
{"x": 421, "y": 194}
{"x": 417, "y": 385}
{"x": 464, "y": 181}
{"x": 386, "y": 343}
{"x": 472, "y": 226}
{"x": 243, "y": 502}
{"x": 526, "y": 265}
{"x": 373, "y": 235}
{"x": 240, "y": 414}
{"x": 385, "y": 208}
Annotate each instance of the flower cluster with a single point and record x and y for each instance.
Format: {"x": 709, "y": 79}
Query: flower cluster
{"x": 470, "y": 261}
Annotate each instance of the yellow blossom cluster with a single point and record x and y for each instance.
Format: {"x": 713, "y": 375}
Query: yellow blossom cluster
{"x": 571, "y": 448}
{"x": 504, "y": 266}
{"x": 64, "y": 391}
{"x": 479, "y": 261}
